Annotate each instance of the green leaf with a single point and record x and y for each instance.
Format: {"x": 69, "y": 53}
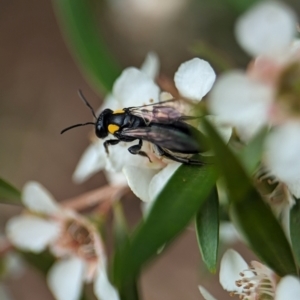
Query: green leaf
{"x": 241, "y": 6}
{"x": 121, "y": 237}
{"x": 207, "y": 229}
{"x": 170, "y": 214}
{"x": 252, "y": 152}
{"x": 8, "y": 193}
{"x": 294, "y": 230}
{"x": 77, "y": 20}
{"x": 41, "y": 261}
{"x": 250, "y": 212}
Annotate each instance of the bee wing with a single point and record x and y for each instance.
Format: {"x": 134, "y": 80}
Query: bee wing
{"x": 165, "y": 112}
{"x": 164, "y": 137}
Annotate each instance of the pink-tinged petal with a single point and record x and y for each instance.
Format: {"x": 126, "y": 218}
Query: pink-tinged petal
{"x": 150, "y": 66}
{"x": 194, "y": 78}
{"x": 36, "y": 198}
{"x": 267, "y": 28}
{"x": 161, "y": 178}
{"x": 139, "y": 180}
{"x": 238, "y": 100}
{"x": 288, "y": 289}
{"x": 206, "y": 295}
{"x": 92, "y": 161}
{"x": 103, "y": 289}
{"x": 65, "y": 279}
{"x": 282, "y": 152}
{"x": 231, "y": 266}
{"x": 31, "y": 233}
{"x": 134, "y": 88}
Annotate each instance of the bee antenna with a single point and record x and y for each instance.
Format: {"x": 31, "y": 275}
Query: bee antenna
{"x": 86, "y": 102}
{"x": 76, "y": 125}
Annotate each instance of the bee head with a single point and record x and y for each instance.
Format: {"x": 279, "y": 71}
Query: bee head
{"x": 102, "y": 123}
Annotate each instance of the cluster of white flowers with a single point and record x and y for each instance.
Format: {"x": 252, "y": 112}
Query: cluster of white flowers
{"x": 267, "y": 94}
{"x": 69, "y": 237}
{"x": 253, "y": 282}
{"x": 136, "y": 87}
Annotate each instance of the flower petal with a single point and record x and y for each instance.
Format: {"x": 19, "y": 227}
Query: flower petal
{"x": 194, "y": 78}
{"x": 115, "y": 178}
{"x": 282, "y": 153}
{"x": 288, "y": 288}
{"x": 103, "y": 289}
{"x": 231, "y": 265}
{"x": 150, "y": 66}
{"x": 134, "y": 88}
{"x": 238, "y": 100}
{"x": 139, "y": 180}
{"x": 31, "y": 233}
{"x": 267, "y": 28}
{"x": 206, "y": 295}
{"x": 92, "y": 160}
{"x": 161, "y": 178}
{"x": 65, "y": 278}
{"x": 228, "y": 233}
{"x": 38, "y": 199}
{"x": 119, "y": 156}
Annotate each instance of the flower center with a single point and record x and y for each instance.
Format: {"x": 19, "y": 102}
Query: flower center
{"x": 82, "y": 239}
{"x": 288, "y": 93}
{"x": 254, "y": 285}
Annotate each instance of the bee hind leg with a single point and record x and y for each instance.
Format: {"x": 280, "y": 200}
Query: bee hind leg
{"x": 183, "y": 160}
{"x": 136, "y": 149}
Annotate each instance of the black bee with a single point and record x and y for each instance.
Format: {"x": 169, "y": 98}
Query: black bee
{"x": 161, "y": 124}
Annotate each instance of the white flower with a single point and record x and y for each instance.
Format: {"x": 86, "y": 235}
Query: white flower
{"x": 267, "y": 28}
{"x": 282, "y": 155}
{"x": 253, "y": 99}
{"x": 254, "y": 282}
{"x": 70, "y": 237}
{"x": 134, "y": 88}
{"x": 268, "y": 93}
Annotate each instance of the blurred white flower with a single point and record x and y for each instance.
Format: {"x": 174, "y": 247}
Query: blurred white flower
{"x": 69, "y": 236}
{"x": 253, "y": 282}
{"x": 266, "y": 28}
{"x": 268, "y": 93}
{"x": 135, "y": 88}
{"x": 256, "y": 98}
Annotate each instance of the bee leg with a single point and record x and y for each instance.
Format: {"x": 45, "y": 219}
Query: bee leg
{"x": 136, "y": 149}
{"x": 182, "y": 160}
{"x": 110, "y": 142}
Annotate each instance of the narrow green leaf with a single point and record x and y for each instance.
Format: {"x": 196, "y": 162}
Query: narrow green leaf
{"x": 252, "y": 152}
{"x": 121, "y": 237}
{"x": 172, "y": 211}
{"x": 77, "y": 20}
{"x": 8, "y": 193}
{"x": 251, "y": 213}
{"x": 207, "y": 229}
{"x": 120, "y": 226}
{"x": 294, "y": 229}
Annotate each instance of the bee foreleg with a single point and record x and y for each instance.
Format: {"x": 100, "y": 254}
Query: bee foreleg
{"x": 110, "y": 142}
{"x": 136, "y": 149}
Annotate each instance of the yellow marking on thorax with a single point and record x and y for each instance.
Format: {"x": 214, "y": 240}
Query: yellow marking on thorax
{"x": 118, "y": 111}
{"x": 112, "y": 128}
